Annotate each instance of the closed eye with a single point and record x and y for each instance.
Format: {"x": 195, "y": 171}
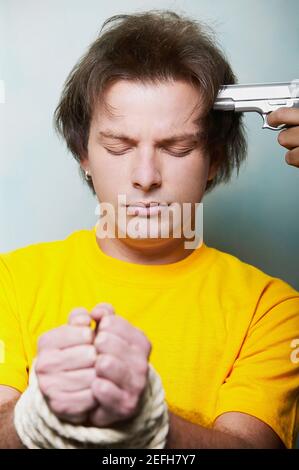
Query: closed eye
{"x": 116, "y": 153}
{"x": 180, "y": 154}
{"x": 175, "y": 154}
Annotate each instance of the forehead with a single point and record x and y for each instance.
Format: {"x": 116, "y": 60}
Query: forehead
{"x": 165, "y": 105}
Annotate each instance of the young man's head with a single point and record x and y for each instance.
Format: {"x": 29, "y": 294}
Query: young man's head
{"x": 136, "y": 111}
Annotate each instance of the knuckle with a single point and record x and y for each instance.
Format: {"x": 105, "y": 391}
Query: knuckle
{"x": 44, "y": 360}
{"x": 147, "y": 343}
{"x": 129, "y": 406}
{"x": 83, "y": 334}
{"x": 59, "y": 406}
{"x": 101, "y": 340}
{"x": 140, "y": 385}
{"x": 104, "y": 363}
{"x": 87, "y": 334}
{"x": 105, "y": 387}
{"x": 280, "y": 113}
{"x": 71, "y": 358}
{"x": 91, "y": 353}
{"x": 100, "y": 387}
{"x": 107, "y": 321}
{"x": 143, "y": 367}
{"x": 44, "y": 385}
{"x": 67, "y": 332}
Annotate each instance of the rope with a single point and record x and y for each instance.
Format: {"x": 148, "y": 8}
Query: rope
{"x": 39, "y": 428}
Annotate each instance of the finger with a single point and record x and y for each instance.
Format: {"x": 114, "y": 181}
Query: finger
{"x": 64, "y": 337}
{"x": 131, "y": 377}
{"x": 77, "y": 357}
{"x": 121, "y": 327}
{"x": 292, "y": 157}
{"x": 100, "y": 417}
{"x": 288, "y": 116}
{"x": 68, "y": 405}
{"x": 289, "y": 138}
{"x": 112, "y": 368}
{"x": 66, "y": 381}
{"x": 108, "y": 344}
{"x": 101, "y": 310}
{"x": 79, "y": 317}
{"x": 115, "y": 401}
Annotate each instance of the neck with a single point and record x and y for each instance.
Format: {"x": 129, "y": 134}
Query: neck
{"x": 158, "y": 251}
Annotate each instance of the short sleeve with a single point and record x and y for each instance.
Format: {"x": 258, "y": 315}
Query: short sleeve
{"x": 264, "y": 380}
{"x": 13, "y": 363}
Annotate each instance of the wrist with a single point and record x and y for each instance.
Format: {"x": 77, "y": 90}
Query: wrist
{"x": 39, "y": 428}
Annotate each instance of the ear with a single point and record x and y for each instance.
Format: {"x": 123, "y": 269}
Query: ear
{"x": 84, "y": 164}
{"x": 215, "y": 157}
{"x": 213, "y": 170}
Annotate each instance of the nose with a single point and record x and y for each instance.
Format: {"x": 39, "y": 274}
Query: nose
{"x": 146, "y": 175}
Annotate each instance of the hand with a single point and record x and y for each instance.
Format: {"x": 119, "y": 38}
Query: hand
{"x": 65, "y": 368}
{"x": 121, "y": 370}
{"x": 288, "y": 138}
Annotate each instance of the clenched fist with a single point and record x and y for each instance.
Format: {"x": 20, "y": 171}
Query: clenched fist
{"x": 121, "y": 370}
{"x": 94, "y": 378}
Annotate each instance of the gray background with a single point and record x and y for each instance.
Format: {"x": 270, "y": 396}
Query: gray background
{"x": 42, "y": 198}
{"x": 41, "y": 195}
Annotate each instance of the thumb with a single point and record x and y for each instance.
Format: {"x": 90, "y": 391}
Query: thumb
{"x": 101, "y": 310}
{"x": 79, "y": 317}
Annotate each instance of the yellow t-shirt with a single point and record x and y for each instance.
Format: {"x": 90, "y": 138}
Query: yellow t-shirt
{"x": 221, "y": 329}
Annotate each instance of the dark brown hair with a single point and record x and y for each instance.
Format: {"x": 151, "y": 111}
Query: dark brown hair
{"x": 150, "y": 47}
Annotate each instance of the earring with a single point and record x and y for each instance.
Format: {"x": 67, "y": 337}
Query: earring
{"x": 87, "y": 175}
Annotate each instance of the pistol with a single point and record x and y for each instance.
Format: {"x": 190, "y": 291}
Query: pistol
{"x": 262, "y": 98}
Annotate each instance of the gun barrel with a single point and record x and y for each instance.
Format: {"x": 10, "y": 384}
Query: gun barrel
{"x": 257, "y": 91}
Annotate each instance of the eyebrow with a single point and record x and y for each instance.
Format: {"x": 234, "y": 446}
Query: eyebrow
{"x": 191, "y": 138}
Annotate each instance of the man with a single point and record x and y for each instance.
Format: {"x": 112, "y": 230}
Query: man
{"x": 136, "y": 112}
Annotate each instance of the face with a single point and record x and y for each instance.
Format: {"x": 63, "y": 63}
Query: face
{"x": 146, "y": 146}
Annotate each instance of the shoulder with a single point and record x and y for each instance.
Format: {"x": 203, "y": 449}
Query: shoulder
{"x": 37, "y": 256}
{"x": 245, "y": 283}
{"x": 241, "y": 271}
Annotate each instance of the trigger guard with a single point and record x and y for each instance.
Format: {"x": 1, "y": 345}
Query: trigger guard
{"x": 266, "y": 125}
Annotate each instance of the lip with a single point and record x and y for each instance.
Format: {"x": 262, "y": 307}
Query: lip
{"x": 143, "y": 211}
{"x": 148, "y": 204}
